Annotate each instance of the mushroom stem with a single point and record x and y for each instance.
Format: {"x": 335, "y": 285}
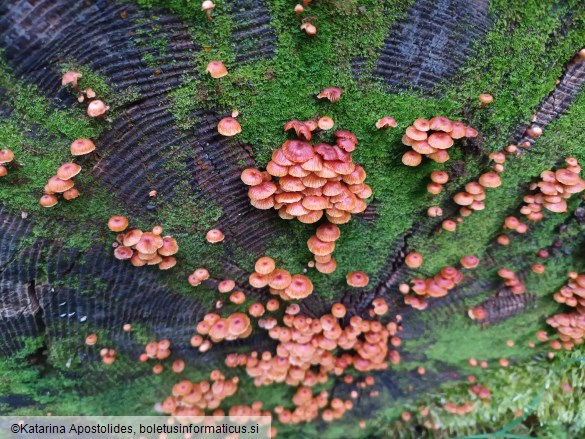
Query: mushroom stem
{"x": 208, "y": 12}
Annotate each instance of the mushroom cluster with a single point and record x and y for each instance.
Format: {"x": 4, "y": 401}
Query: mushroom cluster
{"x": 511, "y": 281}
{"x": 433, "y": 138}
{"x": 307, "y": 407}
{"x": 481, "y": 391}
{"x": 554, "y": 189}
{"x": 304, "y": 342}
{"x": 108, "y": 355}
{"x": 143, "y": 248}
{"x": 193, "y": 399}
{"x": 280, "y": 282}
{"x": 95, "y": 108}
{"x": 235, "y": 326}
{"x": 312, "y": 180}
{"x": 322, "y": 244}
{"x": 154, "y": 350}
{"x": 472, "y": 198}
{"x": 458, "y": 409}
{"x": 6, "y": 157}
{"x": 436, "y": 286}
{"x": 62, "y": 183}
{"x": 570, "y": 326}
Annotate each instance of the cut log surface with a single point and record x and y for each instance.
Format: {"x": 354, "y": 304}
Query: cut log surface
{"x": 45, "y": 286}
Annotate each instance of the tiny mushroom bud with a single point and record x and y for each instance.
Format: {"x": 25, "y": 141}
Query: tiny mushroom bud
{"x": 214, "y": 236}
{"x": 485, "y": 99}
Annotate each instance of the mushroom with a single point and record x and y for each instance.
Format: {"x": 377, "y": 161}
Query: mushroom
{"x": 386, "y": 122}
{"x": 71, "y": 194}
{"x": 228, "y": 126}
{"x": 309, "y": 29}
{"x": 413, "y": 260}
{"x": 357, "y": 279}
{"x": 82, "y": 147}
{"x": 71, "y": 77}
{"x": 214, "y": 236}
{"x": 118, "y": 223}
{"x": 216, "y": 69}
{"x": 207, "y": 6}
{"x": 333, "y": 94}
{"x": 485, "y": 99}
{"x": 68, "y": 171}
{"x": 97, "y": 108}
{"x": 6, "y": 156}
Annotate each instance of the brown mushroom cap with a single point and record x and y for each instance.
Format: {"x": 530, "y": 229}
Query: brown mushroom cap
{"x": 328, "y": 232}
{"x": 71, "y": 194}
{"x": 6, "y": 156}
{"x": 440, "y": 140}
{"x": 48, "y": 200}
{"x": 122, "y": 253}
{"x": 469, "y": 261}
{"x": 3, "y": 171}
{"x": 298, "y": 151}
{"x": 149, "y": 243}
{"x": 57, "y": 185}
{"x": 214, "y": 236}
{"x": 228, "y": 126}
{"x": 265, "y": 265}
{"x": 68, "y": 171}
{"x": 486, "y": 98}
{"x": 413, "y": 260}
{"x": 216, "y": 69}
{"x": 82, "y": 147}
{"x": 490, "y": 179}
{"x": 411, "y": 158}
{"x": 357, "y": 279}
{"x": 440, "y": 177}
{"x": 118, "y": 223}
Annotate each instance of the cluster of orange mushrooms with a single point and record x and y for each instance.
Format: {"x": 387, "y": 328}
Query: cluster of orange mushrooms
{"x": 511, "y": 281}
{"x": 570, "y": 326}
{"x": 432, "y": 138}
{"x": 322, "y": 244}
{"x": 307, "y": 407}
{"x": 62, "y": 183}
{"x": 436, "y": 286}
{"x": 6, "y": 157}
{"x": 143, "y": 248}
{"x": 312, "y": 180}
{"x": 235, "y": 326}
{"x": 280, "y": 282}
{"x": 96, "y": 107}
{"x": 458, "y": 409}
{"x": 193, "y": 399}
{"x": 325, "y": 342}
{"x": 554, "y": 189}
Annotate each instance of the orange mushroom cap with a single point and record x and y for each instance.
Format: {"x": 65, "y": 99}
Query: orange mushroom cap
{"x": 413, "y": 260}
{"x": 118, "y": 223}
{"x": 68, "y": 171}
{"x": 357, "y": 279}
{"x": 216, "y": 69}
{"x": 214, "y": 236}
{"x": 228, "y": 126}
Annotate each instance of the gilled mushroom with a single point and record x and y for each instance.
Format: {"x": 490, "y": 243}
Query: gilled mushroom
{"x": 207, "y": 6}
{"x": 386, "y": 122}
{"x": 228, "y": 126}
{"x": 82, "y": 147}
{"x": 333, "y": 94}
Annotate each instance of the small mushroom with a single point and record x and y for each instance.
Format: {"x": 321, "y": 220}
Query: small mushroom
{"x": 216, "y": 69}
{"x": 207, "y": 6}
